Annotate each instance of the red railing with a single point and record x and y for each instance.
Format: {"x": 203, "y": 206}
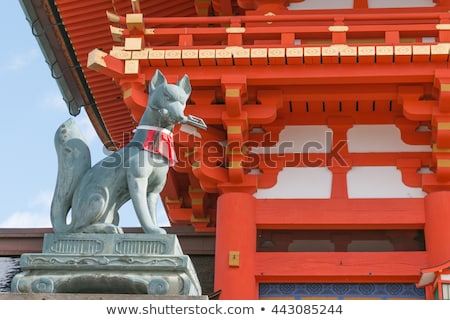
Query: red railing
{"x": 292, "y": 29}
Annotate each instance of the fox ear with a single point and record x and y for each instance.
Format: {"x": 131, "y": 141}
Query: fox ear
{"x": 157, "y": 80}
{"x": 185, "y": 84}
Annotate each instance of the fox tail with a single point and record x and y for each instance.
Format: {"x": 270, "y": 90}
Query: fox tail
{"x": 74, "y": 159}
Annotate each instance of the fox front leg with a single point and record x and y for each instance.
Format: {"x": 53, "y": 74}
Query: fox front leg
{"x": 137, "y": 178}
{"x": 152, "y": 200}
{"x": 139, "y": 199}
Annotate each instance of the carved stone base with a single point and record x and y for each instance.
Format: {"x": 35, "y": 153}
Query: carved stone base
{"x": 110, "y": 264}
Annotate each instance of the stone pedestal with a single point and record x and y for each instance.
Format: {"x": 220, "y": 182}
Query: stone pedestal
{"x": 108, "y": 263}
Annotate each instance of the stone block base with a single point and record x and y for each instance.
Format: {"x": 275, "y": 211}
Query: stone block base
{"x": 109, "y": 264}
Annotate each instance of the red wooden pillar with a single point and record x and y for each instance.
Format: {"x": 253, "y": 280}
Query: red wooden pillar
{"x": 437, "y": 227}
{"x": 236, "y": 246}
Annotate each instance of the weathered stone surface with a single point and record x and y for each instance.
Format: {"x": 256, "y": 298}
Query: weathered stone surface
{"x": 94, "y": 194}
{"x": 92, "y": 243}
{"x": 108, "y": 263}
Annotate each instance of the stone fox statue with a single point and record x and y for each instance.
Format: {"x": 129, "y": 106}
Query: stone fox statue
{"x": 137, "y": 171}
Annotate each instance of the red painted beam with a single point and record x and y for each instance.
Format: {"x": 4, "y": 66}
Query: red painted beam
{"x": 340, "y": 266}
{"x": 282, "y": 76}
{"x": 340, "y": 214}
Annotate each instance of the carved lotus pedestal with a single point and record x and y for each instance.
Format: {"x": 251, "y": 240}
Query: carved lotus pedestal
{"x": 108, "y": 263}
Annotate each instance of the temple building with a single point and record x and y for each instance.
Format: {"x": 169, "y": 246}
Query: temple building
{"x": 324, "y": 172}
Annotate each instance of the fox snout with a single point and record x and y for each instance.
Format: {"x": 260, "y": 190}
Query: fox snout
{"x": 173, "y": 113}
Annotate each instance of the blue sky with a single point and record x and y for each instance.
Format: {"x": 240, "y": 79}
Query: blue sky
{"x": 32, "y": 109}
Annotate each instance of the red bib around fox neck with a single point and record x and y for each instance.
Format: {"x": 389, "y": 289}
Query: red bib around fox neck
{"x": 160, "y": 141}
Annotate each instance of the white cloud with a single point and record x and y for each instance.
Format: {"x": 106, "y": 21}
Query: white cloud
{"x": 87, "y": 128}
{"x": 36, "y": 214}
{"x": 27, "y": 219}
{"x": 19, "y": 61}
{"x": 40, "y": 218}
{"x": 43, "y": 199}
{"x": 53, "y": 101}
{"x": 16, "y": 63}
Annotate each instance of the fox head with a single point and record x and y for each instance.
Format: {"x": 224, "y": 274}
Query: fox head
{"x": 168, "y": 99}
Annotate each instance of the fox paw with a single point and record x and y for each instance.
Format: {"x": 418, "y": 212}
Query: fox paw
{"x": 102, "y": 228}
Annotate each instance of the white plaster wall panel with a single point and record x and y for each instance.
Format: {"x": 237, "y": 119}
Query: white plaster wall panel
{"x": 299, "y": 183}
{"x": 445, "y": 277}
{"x": 321, "y": 4}
{"x": 348, "y": 4}
{"x": 300, "y": 139}
{"x": 379, "y": 182}
{"x": 400, "y": 3}
{"x": 380, "y": 138}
